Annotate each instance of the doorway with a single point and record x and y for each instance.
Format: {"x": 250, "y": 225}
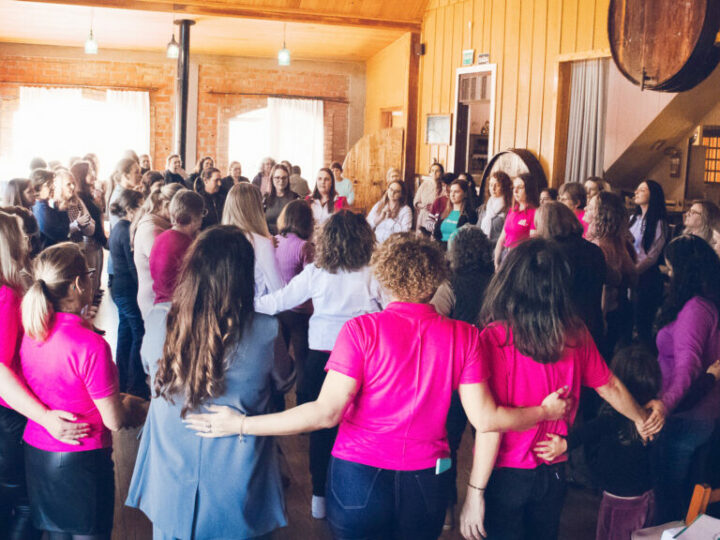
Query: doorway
{"x": 474, "y": 118}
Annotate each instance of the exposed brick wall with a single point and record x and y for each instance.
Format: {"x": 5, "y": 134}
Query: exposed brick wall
{"x": 214, "y": 109}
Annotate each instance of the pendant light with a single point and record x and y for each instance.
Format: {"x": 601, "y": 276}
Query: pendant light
{"x": 91, "y": 46}
{"x": 173, "y": 47}
{"x": 284, "y": 53}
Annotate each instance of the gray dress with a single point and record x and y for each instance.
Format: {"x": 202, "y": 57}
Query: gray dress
{"x": 224, "y": 488}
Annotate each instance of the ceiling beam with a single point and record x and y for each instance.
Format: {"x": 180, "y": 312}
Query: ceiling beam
{"x": 221, "y": 9}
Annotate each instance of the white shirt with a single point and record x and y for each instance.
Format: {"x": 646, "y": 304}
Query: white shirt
{"x": 320, "y": 211}
{"x": 388, "y": 226}
{"x": 425, "y": 195}
{"x": 337, "y": 298}
{"x": 267, "y": 273}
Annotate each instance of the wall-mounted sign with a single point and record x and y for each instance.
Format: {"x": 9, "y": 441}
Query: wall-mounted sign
{"x": 468, "y": 56}
{"x": 483, "y": 58}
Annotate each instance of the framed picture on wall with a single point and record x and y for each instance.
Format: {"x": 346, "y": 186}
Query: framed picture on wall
{"x": 438, "y": 128}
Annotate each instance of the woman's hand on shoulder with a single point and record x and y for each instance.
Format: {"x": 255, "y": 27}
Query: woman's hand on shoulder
{"x": 221, "y": 421}
{"x": 472, "y": 515}
{"x": 557, "y": 405}
{"x": 62, "y": 425}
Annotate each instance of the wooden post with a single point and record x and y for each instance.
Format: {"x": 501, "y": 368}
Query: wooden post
{"x": 412, "y": 114}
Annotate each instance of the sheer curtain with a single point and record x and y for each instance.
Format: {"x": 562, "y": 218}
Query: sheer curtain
{"x": 296, "y": 133}
{"x": 59, "y": 123}
{"x": 586, "y": 131}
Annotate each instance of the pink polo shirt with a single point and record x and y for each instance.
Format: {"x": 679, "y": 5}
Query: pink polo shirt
{"x": 518, "y": 225}
{"x": 517, "y": 380}
{"x": 581, "y": 217}
{"x": 67, "y": 371}
{"x": 407, "y": 359}
{"x": 10, "y": 330}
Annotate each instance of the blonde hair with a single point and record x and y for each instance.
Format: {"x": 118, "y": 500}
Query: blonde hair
{"x": 158, "y": 200}
{"x": 13, "y": 252}
{"x": 244, "y": 209}
{"x": 54, "y": 270}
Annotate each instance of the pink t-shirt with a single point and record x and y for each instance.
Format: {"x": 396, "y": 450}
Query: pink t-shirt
{"x": 518, "y": 225}
{"x": 10, "y": 330}
{"x": 581, "y": 217}
{"x": 166, "y": 257}
{"x": 517, "y": 380}
{"x": 407, "y": 360}
{"x": 67, "y": 371}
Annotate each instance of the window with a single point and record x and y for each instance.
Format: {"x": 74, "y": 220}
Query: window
{"x": 711, "y": 142}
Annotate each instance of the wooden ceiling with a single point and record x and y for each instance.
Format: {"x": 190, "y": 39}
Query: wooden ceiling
{"x": 403, "y": 14}
{"x": 50, "y": 23}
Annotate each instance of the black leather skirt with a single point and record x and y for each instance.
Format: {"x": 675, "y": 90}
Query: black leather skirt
{"x": 71, "y": 492}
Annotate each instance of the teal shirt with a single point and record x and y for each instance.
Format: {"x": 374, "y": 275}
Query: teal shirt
{"x": 449, "y": 225}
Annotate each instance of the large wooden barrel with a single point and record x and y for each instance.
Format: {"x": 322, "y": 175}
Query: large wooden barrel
{"x": 668, "y": 43}
{"x": 513, "y": 162}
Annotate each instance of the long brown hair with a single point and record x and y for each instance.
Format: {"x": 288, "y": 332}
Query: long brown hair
{"x": 385, "y": 200}
{"x": 332, "y": 194}
{"x": 211, "y": 305}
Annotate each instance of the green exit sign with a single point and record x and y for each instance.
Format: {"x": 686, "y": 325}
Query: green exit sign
{"x": 468, "y": 57}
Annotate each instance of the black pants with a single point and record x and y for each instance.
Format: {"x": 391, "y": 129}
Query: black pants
{"x": 15, "y": 517}
{"x": 525, "y": 503}
{"x": 322, "y": 440}
{"x": 455, "y": 425}
{"x": 648, "y": 298}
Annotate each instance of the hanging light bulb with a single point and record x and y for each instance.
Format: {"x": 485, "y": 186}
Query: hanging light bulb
{"x": 173, "y": 48}
{"x": 284, "y": 53}
{"x": 91, "y": 46}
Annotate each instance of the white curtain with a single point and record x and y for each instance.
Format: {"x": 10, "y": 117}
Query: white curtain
{"x": 586, "y": 131}
{"x": 296, "y": 133}
{"x": 59, "y": 123}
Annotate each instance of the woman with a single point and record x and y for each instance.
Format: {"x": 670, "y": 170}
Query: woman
{"x": 324, "y": 200}
{"x": 688, "y": 343}
{"x": 193, "y": 181}
{"x": 82, "y": 225}
{"x": 341, "y": 286}
{"x": 294, "y": 252}
{"x": 93, "y": 244}
{"x": 648, "y": 226}
{"x": 572, "y": 195}
{"x": 532, "y": 347}
{"x": 148, "y": 180}
{"x": 145, "y": 163}
{"x": 429, "y": 190}
{"x": 19, "y": 192}
{"x": 210, "y": 348}
{"x": 280, "y": 195}
{"x": 343, "y": 186}
{"x": 124, "y": 292}
{"x": 243, "y": 208}
{"x": 68, "y": 366}
{"x": 608, "y": 229}
{"x": 548, "y": 195}
{"x": 520, "y": 218}
{"x": 390, "y": 214}
{"x": 593, "y": 186}
{"x": 53, "y": 223}
{"x": 555, "y": 221}
{"x": 152, "y": 219}
{"x": 234, "y": 176}
{"x": 262, "y": 179}
{"x": 458, "y": 211}
{"x": 174, "y": 173}
{"x": 699, "y": 219}
{"x": 491, "y": 215}
{"x": 168, "y": 251}
{"x": 390, "y": 378}
{"x": 17, "y": 403}
{"x": 128, "y": 177}
{"x": 210, "y": 189}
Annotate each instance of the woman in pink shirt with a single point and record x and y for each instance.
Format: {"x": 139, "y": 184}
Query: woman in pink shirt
{"x": 68, "y": 366}
{"x": 16, "y": 401}
{"x": 535, "y": 342}
{"x": 390, "y": 379}
{"x": 520, "y": 218}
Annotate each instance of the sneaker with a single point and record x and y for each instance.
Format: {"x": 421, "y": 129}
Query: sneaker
{"x": 318, "y": 507}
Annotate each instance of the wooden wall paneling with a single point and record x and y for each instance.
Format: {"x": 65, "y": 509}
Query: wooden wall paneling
{"x": 438, "y": 76}
{"x": 568, "y": 26}
{"x": 508, "y": 103}
{"x": 497, "y": 50}
{"x": 467, "y": 16}
{"x": 488, "y": 26}
{"x": 537, "y": 76}
{"x": 427, "y": 65}
{"x": 477, "y": 17}
{"x": 527, "y": 30}
{"x": 585, "y": 26}
{"x": 554, "y": 22}
{"x": 411, "y": 112}
{"x": 600, "y": 40}
{"x": 562, "y": 123}
{"x": 447, "y": 70}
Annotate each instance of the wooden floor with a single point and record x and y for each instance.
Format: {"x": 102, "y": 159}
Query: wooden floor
{"x": 578, "y": 520}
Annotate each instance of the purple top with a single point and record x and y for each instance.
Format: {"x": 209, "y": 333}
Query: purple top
{"x": 686, "y": 347}
{"x": 293, "y": 254}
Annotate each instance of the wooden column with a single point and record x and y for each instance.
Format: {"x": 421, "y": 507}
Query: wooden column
{"x": 412, "y": 113}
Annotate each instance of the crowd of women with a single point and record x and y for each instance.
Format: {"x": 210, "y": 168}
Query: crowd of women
{"x": 518, "y": 315}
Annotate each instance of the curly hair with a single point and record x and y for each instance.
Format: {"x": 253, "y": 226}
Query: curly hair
{"x": 410, "y": 267}
{"x": 345, "y": 242}
{"x": 470, "y": 248}
{"x": 611, "y": 217}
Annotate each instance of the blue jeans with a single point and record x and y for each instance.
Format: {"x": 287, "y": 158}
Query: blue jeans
{"x": 365, "y": 502}
{"x": 131, "y": 330}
